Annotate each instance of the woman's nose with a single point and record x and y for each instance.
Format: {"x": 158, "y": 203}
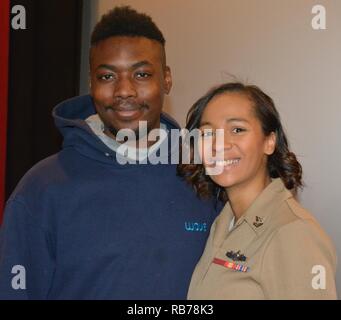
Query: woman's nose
{"x": 222, "y": 142}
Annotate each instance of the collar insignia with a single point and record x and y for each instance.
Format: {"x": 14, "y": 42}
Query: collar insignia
{"x": 258, "y": 222}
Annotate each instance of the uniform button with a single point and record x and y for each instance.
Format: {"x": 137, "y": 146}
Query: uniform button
{"x": 107, "y": 154}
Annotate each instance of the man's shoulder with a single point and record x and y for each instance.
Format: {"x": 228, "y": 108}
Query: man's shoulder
{"x": 41, "y": 174}
{"x": 48, "y": 165}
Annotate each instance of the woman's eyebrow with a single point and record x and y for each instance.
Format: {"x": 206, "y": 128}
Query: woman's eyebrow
{"x": 205, "y": 123}
{"x": 228, "y": 120}
{"x": 237, "y": 120}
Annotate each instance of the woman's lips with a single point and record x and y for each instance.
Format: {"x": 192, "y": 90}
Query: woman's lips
{"x": 216, "y": 167}
{"x": 224, "y": 163}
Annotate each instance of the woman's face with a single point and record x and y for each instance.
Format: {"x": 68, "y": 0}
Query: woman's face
{"x": 242, "y": 157}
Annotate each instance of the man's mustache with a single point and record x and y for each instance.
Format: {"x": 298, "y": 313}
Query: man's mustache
{"x": 126, "y": 106}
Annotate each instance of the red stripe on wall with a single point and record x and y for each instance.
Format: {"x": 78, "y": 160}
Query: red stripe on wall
{"x": 4, "y": 54}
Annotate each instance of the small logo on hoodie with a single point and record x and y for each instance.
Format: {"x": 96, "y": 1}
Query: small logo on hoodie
{"x": 196, "y": 226}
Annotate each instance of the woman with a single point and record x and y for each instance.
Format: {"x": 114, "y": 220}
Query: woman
{"x": 263, "y": 245}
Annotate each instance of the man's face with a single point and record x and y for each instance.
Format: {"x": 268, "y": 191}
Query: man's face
{"x": 128, "y": 82}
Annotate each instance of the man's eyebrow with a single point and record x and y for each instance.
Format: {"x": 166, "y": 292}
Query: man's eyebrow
{"x": 141, "y": 64}
{"x": 106, "y": 66}
{"x": 133, "y": 66}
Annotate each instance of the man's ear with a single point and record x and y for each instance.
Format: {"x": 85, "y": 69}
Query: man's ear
{"x": 89, "y": 82}
{"x": 270, "y": 144}
{"x": 168, "y": 80}
{"x": 90, "y": 70}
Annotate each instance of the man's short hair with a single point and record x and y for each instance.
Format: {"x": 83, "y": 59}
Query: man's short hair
{"x": 125, "y": 21}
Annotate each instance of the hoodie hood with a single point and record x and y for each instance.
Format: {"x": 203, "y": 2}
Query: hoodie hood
{"x": 70, "y": 116}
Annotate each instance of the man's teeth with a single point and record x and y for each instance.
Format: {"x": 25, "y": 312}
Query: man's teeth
{"x": 226, "y": 162}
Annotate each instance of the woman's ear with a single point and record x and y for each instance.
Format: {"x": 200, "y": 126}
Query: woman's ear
{"x": 270, "y": 143}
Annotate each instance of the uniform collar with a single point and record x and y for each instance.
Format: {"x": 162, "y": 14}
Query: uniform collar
{"x": 257, "y": 215}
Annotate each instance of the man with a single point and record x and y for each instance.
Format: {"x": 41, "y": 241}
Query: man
{"x": 82, "y": 225}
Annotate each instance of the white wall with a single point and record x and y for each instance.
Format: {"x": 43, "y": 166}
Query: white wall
{"x": 269, "y": 43}
{"x": 90, "y": 8}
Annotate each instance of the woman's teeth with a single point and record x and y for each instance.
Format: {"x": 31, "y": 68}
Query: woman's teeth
{"x": 226, "y": 162}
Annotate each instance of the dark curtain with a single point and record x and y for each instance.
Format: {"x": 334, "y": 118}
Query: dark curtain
{"x": 44, "y": 70}
{"x": 4, "y": 52}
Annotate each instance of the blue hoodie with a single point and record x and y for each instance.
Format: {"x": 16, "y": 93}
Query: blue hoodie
{"x": 82, "y": 226}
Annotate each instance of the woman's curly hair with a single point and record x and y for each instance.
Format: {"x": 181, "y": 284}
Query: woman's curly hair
{"x": 282, "y": 163}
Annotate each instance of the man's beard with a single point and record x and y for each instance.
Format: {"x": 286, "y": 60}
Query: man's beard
{"x": 136, "y": 131}
{"x": 128, "y": 106}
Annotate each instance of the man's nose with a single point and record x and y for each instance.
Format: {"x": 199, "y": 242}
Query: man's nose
{"x": 124, "y": 88}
